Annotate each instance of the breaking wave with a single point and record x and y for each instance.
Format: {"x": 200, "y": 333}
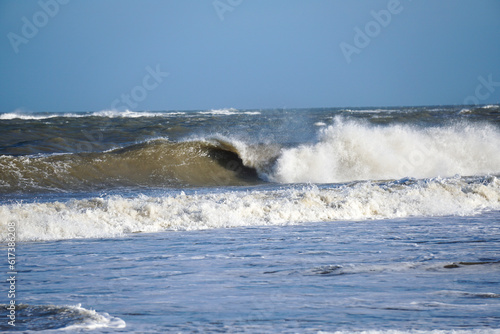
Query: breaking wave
{"x": 112, "y": 216}
{"x": 344, "y": 151}
{"x": 157, "y": 163}
{"x": 353, "y": 150}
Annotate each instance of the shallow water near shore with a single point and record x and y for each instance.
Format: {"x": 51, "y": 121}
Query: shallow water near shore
{"x": 401, "y": 274}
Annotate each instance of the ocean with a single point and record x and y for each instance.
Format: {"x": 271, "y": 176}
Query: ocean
{"x": 321, "y": 220}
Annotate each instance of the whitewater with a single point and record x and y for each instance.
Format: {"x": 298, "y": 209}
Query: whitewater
{"x": 382, "y": 220}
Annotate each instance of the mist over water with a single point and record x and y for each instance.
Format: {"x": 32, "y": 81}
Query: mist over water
{"x": 355, "y": 150}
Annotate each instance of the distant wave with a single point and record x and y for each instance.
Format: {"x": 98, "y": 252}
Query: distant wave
{"x": 112, "y": 216}
{"x": 22, "y": 115}
{"x": 227, "y": 112}
{"x": 131, "y": 114}
{"x": 33, "y": 116}
{"x": 490, "y": 108}
{"x": 378, "y": 110}
{"x": 109, "y": 113}
{"x": 104, "y": 113}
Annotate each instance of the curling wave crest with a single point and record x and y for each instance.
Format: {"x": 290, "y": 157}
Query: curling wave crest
{"x": 342, "y": 152}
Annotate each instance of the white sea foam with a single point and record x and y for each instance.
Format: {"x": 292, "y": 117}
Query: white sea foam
{"x": 33, "y": 116}
{"x": 352, "y": 150}
{"x": 121, "y": 114}
{"x": 371, "y": 110}
{"x": 131, "y": 114}
{"x": 94, "y": 320}
{"x": 116, "y": 215}
{"x": 227, "y": 112}
{"x": 103, "y": 113}
{"x": 491, "y": 106}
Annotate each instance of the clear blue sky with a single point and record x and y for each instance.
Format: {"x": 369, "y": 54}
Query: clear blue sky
{"x": 89, "y": 55}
